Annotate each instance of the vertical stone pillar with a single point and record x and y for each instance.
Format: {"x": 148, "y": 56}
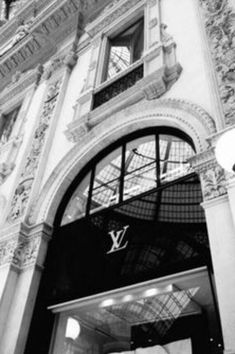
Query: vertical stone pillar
{"x": 55, "y": 79}
{"x": 221, "y": 233}
{"x": 22, "y": 257}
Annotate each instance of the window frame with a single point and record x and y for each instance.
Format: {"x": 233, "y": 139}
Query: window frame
{"x": 120, "y": 143}
{"x": 117, "y": 28}
{"x": 109, "y": 46}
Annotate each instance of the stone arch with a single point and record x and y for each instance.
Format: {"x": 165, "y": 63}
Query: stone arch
{"x": 183, "y": 115}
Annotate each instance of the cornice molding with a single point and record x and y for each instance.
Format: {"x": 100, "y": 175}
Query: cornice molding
{"x": 40, "y": 41}
{"x": 20, "y": 82}
{"x": 111, "y": 14}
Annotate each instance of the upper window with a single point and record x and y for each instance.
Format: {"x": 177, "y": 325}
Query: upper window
{"x": 6, "y": 124}
{"x": 121, "y": 63}
{"x": 125, "y": 49}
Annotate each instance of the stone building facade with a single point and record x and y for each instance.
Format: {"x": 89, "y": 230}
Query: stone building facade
{"x": 109, "y": 116}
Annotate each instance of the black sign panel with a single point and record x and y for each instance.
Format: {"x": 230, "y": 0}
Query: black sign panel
{"x": 111, "y": 250}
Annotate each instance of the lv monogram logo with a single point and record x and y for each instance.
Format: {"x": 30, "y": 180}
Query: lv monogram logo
{"x": 117, "y": 238}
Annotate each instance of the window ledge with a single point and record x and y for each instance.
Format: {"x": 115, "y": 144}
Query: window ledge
{"x": 149, "y": 87}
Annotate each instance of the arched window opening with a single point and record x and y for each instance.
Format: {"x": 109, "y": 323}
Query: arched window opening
{"x": 136, "y": 167}
{"x": 129, "y": 267}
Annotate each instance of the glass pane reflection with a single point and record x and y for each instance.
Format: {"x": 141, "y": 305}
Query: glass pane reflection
{"x": 140, "y": 166}
{"x": 77, "y": 205}
{"x": 125, "y": 49}
{"x": 149, "y": 162}
{"x": 107, "y": 181}
{"x": 174, "y": 153}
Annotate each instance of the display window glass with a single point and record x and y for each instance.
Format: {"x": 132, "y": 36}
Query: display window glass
{"x": 173, "y": 315}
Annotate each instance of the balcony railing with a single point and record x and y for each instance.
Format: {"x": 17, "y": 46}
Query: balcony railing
{"x": 118, "y": 86}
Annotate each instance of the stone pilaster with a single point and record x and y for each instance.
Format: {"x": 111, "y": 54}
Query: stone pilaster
{"x": 55, "y": 78}
{"x": 22, "y": 256}
{"x": 218, "y": 205}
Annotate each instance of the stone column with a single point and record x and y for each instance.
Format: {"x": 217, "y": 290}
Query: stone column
{"x": 219, "y": 211}
{"x": 22, "y": 257}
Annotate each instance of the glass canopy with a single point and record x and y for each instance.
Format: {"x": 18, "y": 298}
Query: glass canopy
{"x": 134, "y": 168}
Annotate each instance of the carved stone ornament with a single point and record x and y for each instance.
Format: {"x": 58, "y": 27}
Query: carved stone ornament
{"x": 220, "y": 27}
{"x": 165, "y": 36}
{"x": 5, "y": 170}
{"x": 213, "y": 182}
{"x": 55, "y": 65}
{"x": 77, "y": 129}
{"x": 20, "y": 253}
{"x": 23, "y": 189}
{"x": 213, "y": 177}
{"x": 26, "y": 252}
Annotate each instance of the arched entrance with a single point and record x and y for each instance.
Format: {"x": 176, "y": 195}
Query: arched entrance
{"x": 131, "y": 228}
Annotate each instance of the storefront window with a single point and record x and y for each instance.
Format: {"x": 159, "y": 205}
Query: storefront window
{"x": 157, "y": 317}
{"x": 130, "y": 269}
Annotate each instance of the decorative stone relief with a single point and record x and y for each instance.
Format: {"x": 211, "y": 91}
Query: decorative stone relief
{"x": 20, "y": 253}
{"x": 213, "y": 182}
{"x": 26, "y": 252}
{"x": 11, "y": 139}
{"x": 22, "y": 31}
{"x": 58, "y": 63}
{"x": 55, "y": 65}
{"x": 20, "y": 199}
{"x": 22, "y": 192}
{"x": 5, "y": 170}
{"x": 7, "y": 249}
{"x": 220, "y": 23}
{"x": 213, "y": 177}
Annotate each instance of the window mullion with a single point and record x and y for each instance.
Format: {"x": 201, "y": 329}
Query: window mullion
{"x": 158, "y": 171}
{"x": 122, "y": 175}
{"x": 92, "y": 178}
